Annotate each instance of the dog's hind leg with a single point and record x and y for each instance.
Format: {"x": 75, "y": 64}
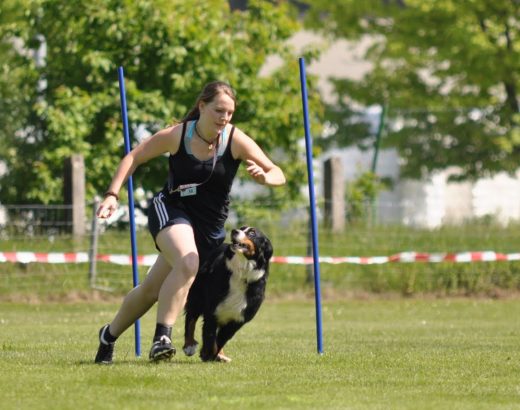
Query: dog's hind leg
{"x": 190, "y": 344}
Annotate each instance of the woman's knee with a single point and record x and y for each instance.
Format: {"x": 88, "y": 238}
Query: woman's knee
{"x": 189, "y": 265}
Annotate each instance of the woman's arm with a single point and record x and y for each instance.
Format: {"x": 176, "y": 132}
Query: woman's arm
{"x": 166, "y": 140}
{"x": 259, "y": 166}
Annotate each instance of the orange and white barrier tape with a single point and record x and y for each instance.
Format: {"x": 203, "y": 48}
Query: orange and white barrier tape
{"x": 403, "y": 257}
{"x": 148, "y": 260}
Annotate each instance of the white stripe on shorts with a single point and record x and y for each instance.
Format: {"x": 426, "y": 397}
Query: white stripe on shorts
{"x": 160, "y": 208}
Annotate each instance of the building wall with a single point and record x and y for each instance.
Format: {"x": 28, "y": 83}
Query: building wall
{"x": 429, "y": 203}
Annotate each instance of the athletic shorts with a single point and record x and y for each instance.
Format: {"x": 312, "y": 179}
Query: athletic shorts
{"x": 162, "y": 213}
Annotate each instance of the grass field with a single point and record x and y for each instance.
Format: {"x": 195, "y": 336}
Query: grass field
{"x": 382, "y": 352}
{"x": 401, "y": 353}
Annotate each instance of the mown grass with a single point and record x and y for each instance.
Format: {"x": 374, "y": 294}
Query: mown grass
{"x": 378, "y": 354}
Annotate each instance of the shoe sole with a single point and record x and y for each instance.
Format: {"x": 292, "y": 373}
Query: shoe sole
{"x": 163, "y": 356}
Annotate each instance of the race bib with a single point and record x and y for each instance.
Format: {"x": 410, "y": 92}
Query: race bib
{"x": 189, "y": 191}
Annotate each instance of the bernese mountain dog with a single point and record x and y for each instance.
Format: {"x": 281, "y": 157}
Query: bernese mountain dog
{"x": 227, "y": 292}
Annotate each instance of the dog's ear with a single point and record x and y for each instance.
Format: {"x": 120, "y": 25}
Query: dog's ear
{"x": 268, "y": 249}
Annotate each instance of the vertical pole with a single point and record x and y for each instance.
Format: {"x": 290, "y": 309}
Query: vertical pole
{"x": 130, "y": 189}
{"x": 308, "y": 147}
{"x": 378, "y": 137}
{"x": 377, "y": 143}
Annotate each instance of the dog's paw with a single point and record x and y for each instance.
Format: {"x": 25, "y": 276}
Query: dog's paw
{"x": 190, "y": 350}
{"x": 207, "y": 355}
{"x": 222, "y": 358}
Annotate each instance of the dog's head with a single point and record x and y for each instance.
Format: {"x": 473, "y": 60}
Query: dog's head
{"x": 252, "y": 243}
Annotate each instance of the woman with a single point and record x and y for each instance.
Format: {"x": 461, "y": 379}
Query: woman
{"x": 187, "y": 216}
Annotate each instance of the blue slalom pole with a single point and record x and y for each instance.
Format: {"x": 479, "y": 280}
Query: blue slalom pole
{"x": 315, "y": 252}
{"x": 130, "y": 189}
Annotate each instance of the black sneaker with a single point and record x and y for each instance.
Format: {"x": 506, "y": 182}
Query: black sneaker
{"x": 162, "y": 349}
{"x": 105, "y": 349}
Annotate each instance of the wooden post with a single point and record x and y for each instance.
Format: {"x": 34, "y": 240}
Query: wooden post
{"x": 74, "y": 192}
{"x": 334, "y": 192}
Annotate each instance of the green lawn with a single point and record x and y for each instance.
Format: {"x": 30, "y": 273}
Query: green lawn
{"x": 379, "y": 354}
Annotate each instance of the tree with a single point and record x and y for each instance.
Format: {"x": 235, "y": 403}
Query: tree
{"x": 17, "y": 76}
{"x": 169, "y": 50}
{"x": 449, "y": 71}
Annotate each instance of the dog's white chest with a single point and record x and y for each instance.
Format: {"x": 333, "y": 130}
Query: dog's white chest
{"x": 232, "y": 307}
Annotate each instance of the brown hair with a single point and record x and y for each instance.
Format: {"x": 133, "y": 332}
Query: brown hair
{"x": 207, "y": 95}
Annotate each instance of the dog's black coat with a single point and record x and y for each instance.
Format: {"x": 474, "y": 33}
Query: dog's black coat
{"x": 228, "y": 291}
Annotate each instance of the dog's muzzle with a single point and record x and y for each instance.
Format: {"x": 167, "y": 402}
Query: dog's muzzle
{"x": 241, "y": 243}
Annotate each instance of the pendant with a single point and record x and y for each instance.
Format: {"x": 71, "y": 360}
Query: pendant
{"x": 210, "y": 147}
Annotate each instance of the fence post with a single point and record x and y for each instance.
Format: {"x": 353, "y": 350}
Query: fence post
{"x": 334, "y": 192}
{"x": 74, "y": 192}
{"x": 92, "y": 254}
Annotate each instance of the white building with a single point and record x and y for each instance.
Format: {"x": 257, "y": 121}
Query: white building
{"x": 426, "y": 203}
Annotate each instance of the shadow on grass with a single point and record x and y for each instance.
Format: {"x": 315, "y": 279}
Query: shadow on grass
{"x": 146, "y": 362}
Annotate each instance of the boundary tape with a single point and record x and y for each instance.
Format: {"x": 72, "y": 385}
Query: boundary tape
{"x": 148, "y": 260}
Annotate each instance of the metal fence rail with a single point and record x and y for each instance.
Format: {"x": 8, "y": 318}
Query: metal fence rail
{"x": 34, "y": 220}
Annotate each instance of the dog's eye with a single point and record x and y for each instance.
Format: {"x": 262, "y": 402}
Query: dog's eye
{"x": 251, "y": 233}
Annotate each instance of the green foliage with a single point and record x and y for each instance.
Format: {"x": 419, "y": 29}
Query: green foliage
{"x": 169, "y": 50}
{"x": 17, "y": 79}
{"x": 449, "y": 71}
{"x": 362, "y": 192}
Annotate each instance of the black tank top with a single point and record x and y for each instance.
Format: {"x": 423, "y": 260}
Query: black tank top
{"x": 209, "y": 207}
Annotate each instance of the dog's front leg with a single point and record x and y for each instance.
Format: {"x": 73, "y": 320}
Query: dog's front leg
{"x": 226, "y": 332}
{"x": 209, "y": 339}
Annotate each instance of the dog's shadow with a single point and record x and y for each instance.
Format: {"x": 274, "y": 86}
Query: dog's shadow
{"x": 143, "y": 361}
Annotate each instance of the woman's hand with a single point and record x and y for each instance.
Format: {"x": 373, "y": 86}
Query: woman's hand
{"x": 256, "y": 171}
{"x": 258, "y": 165}
{"x": 107, "y": 207}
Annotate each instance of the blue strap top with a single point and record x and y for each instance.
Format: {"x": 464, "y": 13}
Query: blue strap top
{"x": 189, "y": 136}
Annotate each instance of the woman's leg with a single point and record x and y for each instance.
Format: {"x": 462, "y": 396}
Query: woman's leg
{"x": 141, "y": 298}
{"x": 178, "y": 247}
{"x": 168, "y": 281}
{"x": 135, "y": 304}
{"x": 164, "y": 280}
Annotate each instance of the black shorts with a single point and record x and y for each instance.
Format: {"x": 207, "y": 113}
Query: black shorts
{"x": 162, "y": 213}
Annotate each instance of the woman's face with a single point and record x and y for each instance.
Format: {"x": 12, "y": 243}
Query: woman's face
{"x": 216, "y": 114}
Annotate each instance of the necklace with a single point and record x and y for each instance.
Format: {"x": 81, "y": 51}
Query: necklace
{"x": 209, "y": 143}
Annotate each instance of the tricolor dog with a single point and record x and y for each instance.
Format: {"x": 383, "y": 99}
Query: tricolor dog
{"x": 228, "y": 291}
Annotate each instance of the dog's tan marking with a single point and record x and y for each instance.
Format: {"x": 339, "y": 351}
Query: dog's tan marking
{"x": 243, "y": 239}
{"x": 250, "y": 247}
{"x": 222, "y": 358}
